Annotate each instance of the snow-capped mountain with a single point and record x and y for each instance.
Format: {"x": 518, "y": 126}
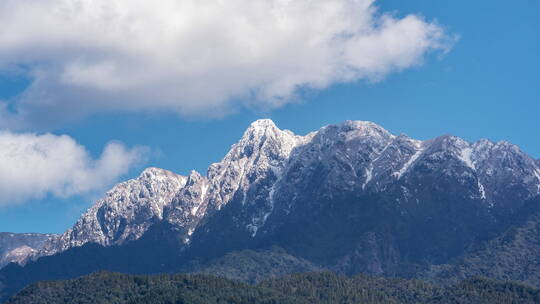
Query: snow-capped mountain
{"x": 124, "y": 214}
{"x": 273, "y": 177}
{"x": 350, "y": 197}
{"x": 130, "y": 208}
{"x": 375, "y": 200}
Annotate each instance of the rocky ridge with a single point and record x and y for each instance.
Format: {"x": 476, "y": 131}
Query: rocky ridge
{"x": 271, "y": 174}
{"x": 16, "y": 247}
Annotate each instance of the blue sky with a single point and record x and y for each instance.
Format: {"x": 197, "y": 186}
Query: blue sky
{"x": 485, "y": 86}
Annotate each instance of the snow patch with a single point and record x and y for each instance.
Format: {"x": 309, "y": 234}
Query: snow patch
{"x": 253, "y": 229}
{"x": 369, "y": 176}
{"x": 537, "y": 174}
{"x": 204, "y": 191}
{"x": 195, "y": 209}
{"x": 482, "y": 190}
{"x": 260, "y": 221}
{"x": 409, "y": 163}
{"x": 466, "y": 158}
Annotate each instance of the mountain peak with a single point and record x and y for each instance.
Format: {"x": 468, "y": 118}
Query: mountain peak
{"x": 263, "y": 123}
{"x": 353, "y": 130}
{"x": 260, "y": 128}
{"x": 360, "y": 124}
{"x": 193, "y": 178}
{"x": 261, "y": 134}
{"x": 153, "y": 172}
{"x": 363, "y": 128}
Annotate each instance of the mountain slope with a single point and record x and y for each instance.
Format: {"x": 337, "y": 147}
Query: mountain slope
{"x": 125, "y": 213}
{"x": 17, "y": 247}
{"x": 514, "y": 255}
{"x": 350, "y": 197}
{"x": 157, "y": 251}
{"x": 251, "y": 266}
{"x": 130, "y": 208}
{"x": 272, "y": 178}
{"x": 357, "y": 199}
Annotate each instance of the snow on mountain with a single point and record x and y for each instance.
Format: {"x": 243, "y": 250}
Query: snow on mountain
{"x": 130, "y": 208}
{"x": 251, "y": 169}
{"x": 418, "y": 150}
{"x": 270, "y": 167}
{"x": 16, "y": 247}
{"x": 189, "y": 205}
{"x": 125, "y": 212}
{"x": 335, "y": 157}
{"x": 260, "y": 153}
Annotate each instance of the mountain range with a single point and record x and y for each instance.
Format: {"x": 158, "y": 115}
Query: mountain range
{"x": 351, "y": 198}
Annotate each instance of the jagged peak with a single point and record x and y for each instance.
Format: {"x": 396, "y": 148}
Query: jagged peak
{"x": 262, "y": 158}
{"x": 352, "y": 130}
{"x": 360, "y": 125}
{"x": 406, "y": 139}
{"x": 452, "y": 140}
{"x": 448, "y": 138}
{"x": 149, "y": 176}
{"x": 157, "y": 174}
{"x": 260, "y": 133}
{"x": 507, "y": 145}
{"x": 193, "y": 178}
{"x": 483, "y": 141}
{"x": 263, "y": 127}
{"x": 263, "y": 123}
{"x": 152, "y": 172}
{"x": 447, "y": 142}
{"x": 484, "y": 144}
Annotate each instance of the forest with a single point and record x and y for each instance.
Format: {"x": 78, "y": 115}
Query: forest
{"x": 317, "y": 287}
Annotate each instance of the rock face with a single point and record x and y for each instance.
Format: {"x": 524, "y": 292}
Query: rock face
{"x": 16, "y": 247}
{"x": 248, "y": 171}
{"x": 125, "y": 213}
{"x": 356, "y": 198}
{"x": 351, "y": 196}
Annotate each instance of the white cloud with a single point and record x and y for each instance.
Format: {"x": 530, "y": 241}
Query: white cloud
{"x": 32, "y": 166}
{"x": 204, "y": 58}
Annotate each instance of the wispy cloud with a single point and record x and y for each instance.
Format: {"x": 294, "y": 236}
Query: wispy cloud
{"x": 197, "y": 58}
{"x": 32, "y": 166}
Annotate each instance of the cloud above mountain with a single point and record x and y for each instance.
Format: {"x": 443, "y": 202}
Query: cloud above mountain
{"x": 32, "y": 166}
{"x": 196, "y": 58}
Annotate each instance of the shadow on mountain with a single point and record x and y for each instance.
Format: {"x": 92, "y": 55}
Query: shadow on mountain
{"x": 158, "y": 251}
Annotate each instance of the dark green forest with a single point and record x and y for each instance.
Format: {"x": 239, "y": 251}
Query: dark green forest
{"x": 511, "y": 256}
{"x": 322, "y": 287}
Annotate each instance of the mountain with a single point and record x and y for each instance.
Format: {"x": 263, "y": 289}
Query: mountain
{"x": 271, "y": 173}
{"x": 17, "y": 247}
{"x": 355, "y": 198}
{"x": 125, "y": 213}
{"x": 351, "y": 198}
{"x": 514, "y": 255}
{"x": 105, "y": 287}
{"x": 130, "y": 208}
{"x": 250, "y": 266}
